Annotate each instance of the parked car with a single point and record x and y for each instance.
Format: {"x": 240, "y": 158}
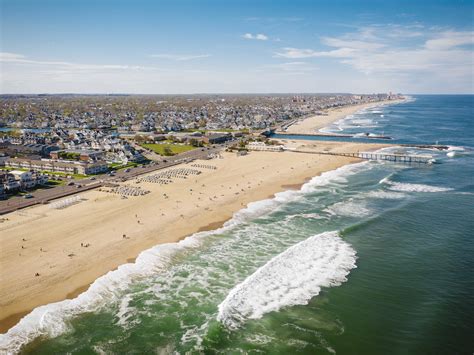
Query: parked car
{"x": 28, "y": 196}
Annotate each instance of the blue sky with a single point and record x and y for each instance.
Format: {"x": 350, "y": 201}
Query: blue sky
{"x": 236, "y": 46}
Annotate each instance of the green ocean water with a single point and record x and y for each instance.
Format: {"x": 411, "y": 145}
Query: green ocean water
{"x": 373, "y": 258}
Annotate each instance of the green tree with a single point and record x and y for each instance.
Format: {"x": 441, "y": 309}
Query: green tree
{"x": 195, "y": 143}
{"x": 139, "y": 139}
{"x": 167, "y": 151}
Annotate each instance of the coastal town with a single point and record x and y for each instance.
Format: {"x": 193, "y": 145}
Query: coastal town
{"x": 117, "y": 188}
{"x": 49, "y": 141}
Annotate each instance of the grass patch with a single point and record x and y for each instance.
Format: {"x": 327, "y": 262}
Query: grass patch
{"x": 167, "y": 149}
{"x": 119, "y": 166}
{"x": 54, "y": 183}
{"x": 75, "y": 176}
{"x": 229, "y": 130}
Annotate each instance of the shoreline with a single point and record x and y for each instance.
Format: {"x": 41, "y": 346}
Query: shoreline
{"x": 12, "y": 320}
{"x": 77, "y": 274}
{"x": 314, "y": 123}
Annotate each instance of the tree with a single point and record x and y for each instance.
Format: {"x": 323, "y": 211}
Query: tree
{"x": 139, "y": 139}
{"x": 167, "y": 151}
{"x": 195, "y": 143}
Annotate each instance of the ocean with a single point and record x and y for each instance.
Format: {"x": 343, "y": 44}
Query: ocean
{"x": 372, "y": 258}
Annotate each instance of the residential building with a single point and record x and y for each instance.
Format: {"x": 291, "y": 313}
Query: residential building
{"x": 58, "y": 166}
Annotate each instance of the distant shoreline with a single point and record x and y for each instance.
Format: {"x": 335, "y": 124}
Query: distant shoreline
{"x": 314, "y": 123}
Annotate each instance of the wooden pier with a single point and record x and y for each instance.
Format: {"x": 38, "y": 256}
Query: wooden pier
{"x": 395, "y": 157}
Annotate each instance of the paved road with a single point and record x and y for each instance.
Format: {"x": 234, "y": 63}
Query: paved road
{"x": 44, "y": 196}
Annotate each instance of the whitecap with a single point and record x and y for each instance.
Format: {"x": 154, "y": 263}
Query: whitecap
{"x": 409, "y": 187}
{"x": 389, "y": 195}
{"x": 453, "y": 148}
{"x": 349, "y": 209}
{"x": 290, "y": 278}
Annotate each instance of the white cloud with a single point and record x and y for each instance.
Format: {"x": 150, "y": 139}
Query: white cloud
{"x": 374, "y": 50}
{"x": 14, "y": 58}
{"x": 297, "y": 53}
{"x": 377, "y": 58}
{"x": 258, "y": 36}
{"x": 450, "y": 39}
{"x": 411, "y": 58}
{"x": 180, "y": 57}
{"x": 10, "y": 57}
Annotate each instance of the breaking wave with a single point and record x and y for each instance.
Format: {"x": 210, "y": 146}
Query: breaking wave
{"x": 290, "y": 278}
{"x": 389, "y": 195}
{"x": 408, "y": 187}
{"x": 349, "y": 208}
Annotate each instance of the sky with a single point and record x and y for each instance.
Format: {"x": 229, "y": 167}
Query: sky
{"x": 230, "y": 46}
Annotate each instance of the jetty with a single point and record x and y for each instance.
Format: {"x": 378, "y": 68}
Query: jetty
{"x": 281, "y": 130}
{"x": 394, "y": 157}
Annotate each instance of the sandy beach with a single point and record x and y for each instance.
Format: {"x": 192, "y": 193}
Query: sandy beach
{"x": 48, "y": 255}
{"x": 314, "y": 123}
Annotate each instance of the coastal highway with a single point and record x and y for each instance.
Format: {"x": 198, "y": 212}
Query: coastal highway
{"x": 46, "y": 195}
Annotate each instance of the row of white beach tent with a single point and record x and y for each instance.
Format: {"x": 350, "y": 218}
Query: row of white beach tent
{"x": 66, "y": 202}
{"x": 204, "y": 166}
{"x": 167, "y": 175}
{"x": 129, "y": 191}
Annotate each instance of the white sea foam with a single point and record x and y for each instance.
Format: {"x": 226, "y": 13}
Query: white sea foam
{"x": 349, "y": 208}
{"x": 399, "y": 186}
{"x": 363, "y": 121}
{"x": 390, "y": 195}
{"x": 309, "y": 216}
{"x": 334, "y": 176}
{"x": 290, "y": 278}
{"x": 53, "y": 319}
{"x": 453, "y": 148}
{"x": 408, "y": 187}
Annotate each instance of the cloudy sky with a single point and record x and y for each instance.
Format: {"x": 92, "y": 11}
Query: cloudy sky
{"x": 138, "y": 46}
